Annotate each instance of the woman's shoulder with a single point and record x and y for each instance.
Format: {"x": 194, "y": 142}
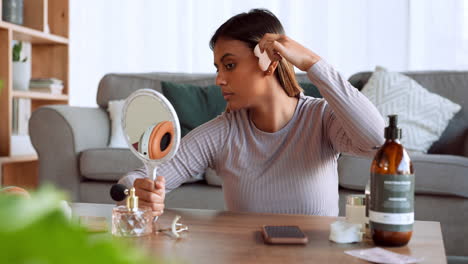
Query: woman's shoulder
{"x": 310, "y": 103}
{"x": 218, "y": 126}
{"x": 315, "y": 109}
{"x": 224, "y": 121}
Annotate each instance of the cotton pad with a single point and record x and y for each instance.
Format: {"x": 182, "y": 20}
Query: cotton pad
{"x": 344, "y": 232}
{"x": 263, "y": 59}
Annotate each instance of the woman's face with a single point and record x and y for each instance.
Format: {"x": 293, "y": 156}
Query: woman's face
{"x": 238, "y": 74}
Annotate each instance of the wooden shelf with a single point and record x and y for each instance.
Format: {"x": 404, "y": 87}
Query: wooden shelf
{"x": 19, "y": 171}
{"x": 40, "y": 96}
{"x": 32, "y": 35}
{"x": 19, "y": 158}
{"x": 46, "y": 27}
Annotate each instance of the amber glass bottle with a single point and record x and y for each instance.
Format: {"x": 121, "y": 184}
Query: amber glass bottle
{"x": 391, "y": 214}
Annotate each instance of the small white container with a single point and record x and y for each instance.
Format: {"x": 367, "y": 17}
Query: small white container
{"x": 356, "y": 210}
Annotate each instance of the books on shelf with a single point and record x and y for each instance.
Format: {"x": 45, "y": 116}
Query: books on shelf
{"x": 21, "y": 114}
{"x": 20, "y": 141}
{"x": 46, "y": 85}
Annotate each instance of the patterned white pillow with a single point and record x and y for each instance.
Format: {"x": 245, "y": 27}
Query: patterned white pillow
{"x": 422, "y": 115}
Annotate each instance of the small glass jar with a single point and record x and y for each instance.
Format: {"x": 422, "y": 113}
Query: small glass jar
{"x": 132, "y": 220}
{"x": 356, "y": 210}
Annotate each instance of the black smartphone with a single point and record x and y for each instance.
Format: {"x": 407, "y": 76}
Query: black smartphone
{"x": 284, "y": 235}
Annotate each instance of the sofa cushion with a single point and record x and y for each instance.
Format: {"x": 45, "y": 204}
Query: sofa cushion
{"x": 310, "y": 89}
{"x": 107, "y": 164}
{"x": 422, "y": 115}
{"x": 197, "y": 195}
{"x": 194, "y": 105}
{"x": 435, "y": 174}
{"x": 189, "y": 195}
{"x": 449, "y": 84}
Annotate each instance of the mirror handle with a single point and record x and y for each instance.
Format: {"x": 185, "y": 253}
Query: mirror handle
{"x": 151, "y": 170}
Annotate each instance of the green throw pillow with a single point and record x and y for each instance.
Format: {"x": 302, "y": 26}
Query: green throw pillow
{"x": 194, "y": 105}
{"x": 310, "y": 90}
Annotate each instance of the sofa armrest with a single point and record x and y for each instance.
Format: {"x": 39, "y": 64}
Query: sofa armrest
{"x": 59, "y": 133}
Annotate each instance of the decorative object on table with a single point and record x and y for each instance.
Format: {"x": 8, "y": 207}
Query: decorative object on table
{"x": 176, "y": 227}
{"x": 46, "y": 85}
{"x": 380, "y": 255}
{"x": 391, "y": 214}
{"x": 356, "y": 210}
{"x": 12, "y": 11}
{"x": 21, "y": 66}
{"x": 423, "y": 115}
{"x": 345, "y": 232}
{"x": 42, "y": 234}
{"x": 131, "y": 220}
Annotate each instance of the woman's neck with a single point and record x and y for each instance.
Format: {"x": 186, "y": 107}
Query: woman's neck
{"x": 274, "y": 111}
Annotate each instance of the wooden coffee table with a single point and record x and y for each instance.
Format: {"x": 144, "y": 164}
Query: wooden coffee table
{"x": 227, "y": 237}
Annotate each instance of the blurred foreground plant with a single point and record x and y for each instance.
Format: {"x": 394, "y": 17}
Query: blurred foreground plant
{"x": 36, "y": 231}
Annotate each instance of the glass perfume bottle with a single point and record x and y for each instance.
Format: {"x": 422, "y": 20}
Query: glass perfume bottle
{"x": 130, "y": 220}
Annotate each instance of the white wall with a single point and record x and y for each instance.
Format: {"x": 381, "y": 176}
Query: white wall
{"x": 155, "y": 35}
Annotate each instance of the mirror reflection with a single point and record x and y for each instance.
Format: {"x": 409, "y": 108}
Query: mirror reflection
{"x": 149, "y": 127}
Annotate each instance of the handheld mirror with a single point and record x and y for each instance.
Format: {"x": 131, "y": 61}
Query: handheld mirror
{"x": 151, "y": 128}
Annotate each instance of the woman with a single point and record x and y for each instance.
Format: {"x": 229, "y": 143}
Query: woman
{"x": 275, "y": 148}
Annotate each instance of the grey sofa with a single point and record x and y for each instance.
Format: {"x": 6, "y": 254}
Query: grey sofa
{"x": 72, "y": 146}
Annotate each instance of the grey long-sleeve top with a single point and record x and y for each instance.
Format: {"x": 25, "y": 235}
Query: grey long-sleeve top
{"x": 293, "y": 170}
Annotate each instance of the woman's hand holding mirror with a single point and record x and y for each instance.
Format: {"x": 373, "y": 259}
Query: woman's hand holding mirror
{"x": 151, "y": 193}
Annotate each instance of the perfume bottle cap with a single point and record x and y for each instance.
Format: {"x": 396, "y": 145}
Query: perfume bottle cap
{"x": 132, "y": 200}
{"x": 392, "y": 131}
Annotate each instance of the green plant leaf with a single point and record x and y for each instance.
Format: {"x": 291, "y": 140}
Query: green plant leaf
{"x": 17, "y": 51}
{"x": 36, "y": 231}
{"x": 17, "y": 212}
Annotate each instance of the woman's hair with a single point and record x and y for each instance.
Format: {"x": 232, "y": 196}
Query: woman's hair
{"x": 250, "y": 28}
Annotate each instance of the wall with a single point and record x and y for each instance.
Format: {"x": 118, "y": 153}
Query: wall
{"x": 153, "y": 35}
